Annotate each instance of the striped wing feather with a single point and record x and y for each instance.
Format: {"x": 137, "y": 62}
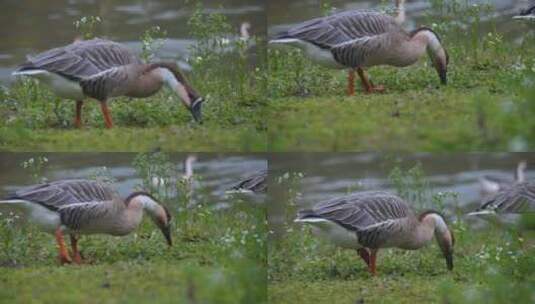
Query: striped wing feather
{"x": 351, "y": 36}
{"x": 60, "y": 194}
{"x": 516, "y": 199}
{"x": 341, "y": 28}
{"x": 256, "y": 182}
{"x": 373, "y": 216}
{"x": 82, "y": 59}
{"x": 362, "y": 210}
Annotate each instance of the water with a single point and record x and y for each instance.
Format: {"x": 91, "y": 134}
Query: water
{"x": 32, "y": 26}
{"x": 329, "y": 175}
{"x": 217, "y": 172}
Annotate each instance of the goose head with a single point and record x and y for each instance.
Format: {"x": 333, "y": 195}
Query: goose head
{"x": 175, "y": 80}
{"x": 157, "y": 212}
{"x": 443, "y": 234}
{"x": 437, "y": 53}
{"x": 520, "y": 171}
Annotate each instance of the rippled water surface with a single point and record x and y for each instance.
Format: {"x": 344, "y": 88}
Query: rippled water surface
{"x": 216, "y": 172}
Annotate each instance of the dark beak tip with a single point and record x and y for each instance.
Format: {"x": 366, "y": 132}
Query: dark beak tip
{"x": 196, "y": 110}
{"x": 167, "y": 234}
{"x": 449, "y": 262}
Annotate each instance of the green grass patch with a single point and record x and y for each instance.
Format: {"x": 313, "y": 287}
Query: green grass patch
{"x": 487, "y": 268}
{"x": 170, "y": 138}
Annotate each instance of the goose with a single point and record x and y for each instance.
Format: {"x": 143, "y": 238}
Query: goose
{"x": 400, "y": 12}
{"x": 492, "y": 184}
{"x": 78, "y": 207}
{"x": 518, "y": 198}
{"x": 370, "y": 220}
{"x": 102, "y": 69}
{"x": 527, "y": 14}
{"x": 255, "y": 182}
{"x": 188, "y": 167}
{"x": 159, "y": 182}
{"x": 359, "y": 39}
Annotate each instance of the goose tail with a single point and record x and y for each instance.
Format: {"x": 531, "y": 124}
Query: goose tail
{"x": 481, "y": 212}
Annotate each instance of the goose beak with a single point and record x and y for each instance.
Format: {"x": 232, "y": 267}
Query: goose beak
{"x": 442, "y": 71}
{"x": 443, "y": 77}
{"x": 440, "y": 60}
{"x": 449, "y": 261}
{"x": 166, "y": 230}
{"x": 195, "y": 109}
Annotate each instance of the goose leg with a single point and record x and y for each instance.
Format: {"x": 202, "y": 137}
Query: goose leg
{"x": 77, "y": 258}
{"x": 106, "y": 113}
{"x": 365, "y": 255}
{"x": 373, "y": 259}
{"x": 351, "y": 82}
{"x": 78, "y": 119}
{"x": 367, "y": 84}
{"x": 63, "y": 253}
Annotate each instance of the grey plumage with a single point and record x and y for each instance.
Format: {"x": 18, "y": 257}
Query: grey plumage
{"x": 491, "y": 184}
{"x": 360, "y": 39}
{"x": 368, "y": 221}
{"x": 351, "y": 36}
{"x": 58, "y": 194}
{"x": 102, "y": 69}
{"x": 373, "y": 215}
{"x": 98, "y": 64}
{"x": 85, "y": 207}
{"x": 518, "y": 198}
{"x": 256, "y": 182}
{"x": 78, "y": 202}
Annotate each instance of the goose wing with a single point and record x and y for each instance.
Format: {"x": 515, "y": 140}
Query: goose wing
{"x": 361, "y": 210}
{"x": 518, "y": 198}
{"x": 343, "y": 28}
{"x": 82, "y": 59}
{"x": 62, "y": 194}
{"x": 256, "y": 182}
{"x": 374, "y": 216}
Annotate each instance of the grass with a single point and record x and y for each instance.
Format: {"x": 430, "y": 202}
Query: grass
{"x": 123, "y": 139}
{"x": 483, "y": 107}
{"x": 491, "y": 265}
{"x": 218, "y": 256}
{"x": 416, "y": 120}
{"x": 320, "y": 273}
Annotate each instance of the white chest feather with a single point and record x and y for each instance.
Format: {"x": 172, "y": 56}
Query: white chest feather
{"x": 61, "y": 86}
{"x": 333, "y": 232}
{"x": 316, "y": 54}
{"x": 47, "y": 220}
